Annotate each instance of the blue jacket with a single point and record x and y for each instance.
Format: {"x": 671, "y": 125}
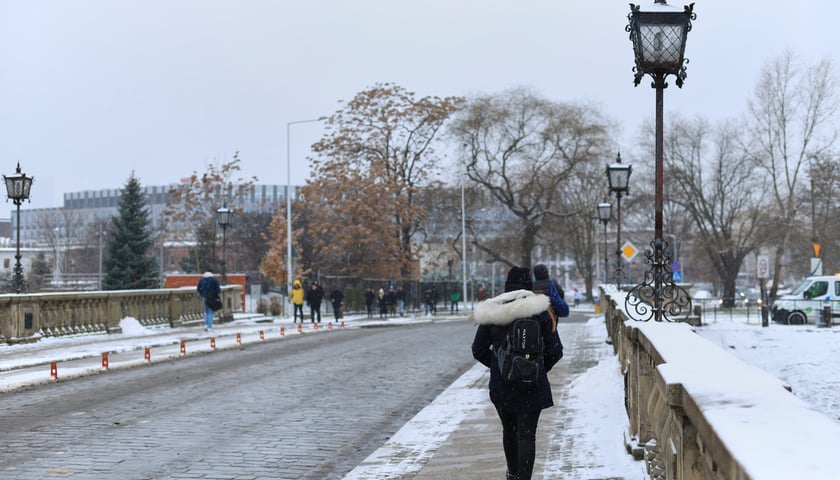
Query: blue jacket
{"x": 493, "y": 317}
{"x": 208, "y": 286}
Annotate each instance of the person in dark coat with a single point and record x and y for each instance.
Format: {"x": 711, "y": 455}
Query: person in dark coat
{"x": 336, "y": 298}
{"x": 518, "y": 410}
{"x": 369, "y": 298}
{"x": 548, "y": 286}
{"x": 313, "y": 297}
{"x": 208, "y": 287}
{"x": 383, "y": 303}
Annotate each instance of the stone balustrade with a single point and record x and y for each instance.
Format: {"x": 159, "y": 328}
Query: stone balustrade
{"x": 696, "y": 412}
{"x": 27, "y": 317}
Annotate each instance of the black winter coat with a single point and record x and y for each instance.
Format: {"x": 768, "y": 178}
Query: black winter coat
{"x": 494, "y": 315}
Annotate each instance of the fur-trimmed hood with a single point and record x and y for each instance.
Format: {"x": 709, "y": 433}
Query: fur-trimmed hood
{"x": 507, "y": 307}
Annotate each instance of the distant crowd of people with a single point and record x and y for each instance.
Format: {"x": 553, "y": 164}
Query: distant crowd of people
{"x": 391, "y": 301}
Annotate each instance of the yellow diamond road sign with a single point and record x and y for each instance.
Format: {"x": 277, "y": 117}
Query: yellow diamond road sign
{"x": 629, "y": 251}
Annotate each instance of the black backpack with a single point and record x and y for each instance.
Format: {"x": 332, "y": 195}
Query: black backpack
{"x": 521, "y": 354}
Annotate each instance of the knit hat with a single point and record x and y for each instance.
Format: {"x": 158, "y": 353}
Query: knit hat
{"x": 518, "y": 278}
{"x": 540, "y": 272}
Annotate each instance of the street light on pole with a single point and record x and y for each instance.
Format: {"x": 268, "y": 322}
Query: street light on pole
{"x": 223, "y": 217}
{"x": 659, "y": 33}
{"x": 17, "y": 189}
{"x": 618, "y": 178}
{"x": 604, "y": 215}
{"x": 289, "y": 271}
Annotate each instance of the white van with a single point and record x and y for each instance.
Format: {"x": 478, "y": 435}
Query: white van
{"x": 805, "y": 303}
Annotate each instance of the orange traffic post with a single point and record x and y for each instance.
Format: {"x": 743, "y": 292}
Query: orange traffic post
{"x": 213, "y": 343}
{"x": 238, "y": 338}
{"x": 329, "y": 326}
{"x": 282, "y": 331}
{"x": 183, "y": 347}
{"x": 54, "y": 370}
{"x": 147, "y": 355}
{"x": 342, "y": 324}
{"x": 262, "y": 335}
{"x": 104, "y": 360}
{"x": 315, "y": 326}
{"x": 300, "y": 328}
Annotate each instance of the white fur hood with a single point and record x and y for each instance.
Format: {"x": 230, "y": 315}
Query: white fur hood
{"x": 507, "y": 307}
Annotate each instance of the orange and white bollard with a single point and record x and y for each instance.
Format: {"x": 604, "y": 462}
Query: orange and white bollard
{"x": 315, "y": 326}
{"x": 104, "y": 360}
{"x": 147, "y": 355}
{"x": 282, "y": 331}
{"x": 329, "y": 326}
{"x": 212, "y": 343}
{"x": 342, "y": 324}
{"x": 262, "y": 335}
{"x": 300, "y": 328}
{"x": 54, "y": 370}
{"x": 183, "y": 348}
{"x": 238, "y": 338}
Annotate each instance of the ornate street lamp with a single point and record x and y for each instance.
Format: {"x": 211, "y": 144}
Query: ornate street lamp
{"x": 618, "y": 177}
{"x": 17, "y": 189}
{"x": 223, "y": 217}
{"x": 604, "y": 215}
{"x": 659, "y": 33}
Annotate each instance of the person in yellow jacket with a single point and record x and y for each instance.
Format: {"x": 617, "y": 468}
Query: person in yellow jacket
{"x": 297, "y": 300}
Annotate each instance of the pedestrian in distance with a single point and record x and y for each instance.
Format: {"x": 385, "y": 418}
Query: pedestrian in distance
{"x": 401, "y": 301}
{"x": 336, "y": 298}
{"x": 314, "y": 296}
{"x": 454, "y": 298}
{"x": 518, "y": 409}
{"x": 369, "y": 298}
{"x": 209, "y": 289}
{"x": 383, "y": 303}
{"x": 296, "y": 297}
{"x": 576, "y": 296}
{"x": 549, "y": 287}
{"x": 391, "y": 301}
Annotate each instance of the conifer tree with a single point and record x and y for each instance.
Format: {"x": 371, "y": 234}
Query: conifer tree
{"x": 128, "y": 264}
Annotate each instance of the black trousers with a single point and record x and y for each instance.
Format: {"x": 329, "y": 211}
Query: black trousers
{"x": 519, "y": 438}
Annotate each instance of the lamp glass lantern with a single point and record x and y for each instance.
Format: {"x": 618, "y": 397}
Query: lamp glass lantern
{"x": 18, "y": 186}
{"x": 618, "y": 176}
{"x": 224, "y": 216}
{"x": 604, "y": 212}
{"x": 659, "y": 33}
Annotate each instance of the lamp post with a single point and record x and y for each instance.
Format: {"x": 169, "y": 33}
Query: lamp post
{"x": 618, "y": 178}
{"x": 604, "y": 215}
{"x": 659, "y": 33}
{"x": 289, "y": 271}
{"x": 17, "y": 189}
{"x": 223, "y": 217}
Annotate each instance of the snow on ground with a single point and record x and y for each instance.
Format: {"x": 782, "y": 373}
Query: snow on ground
{"x": 802, "y": 356}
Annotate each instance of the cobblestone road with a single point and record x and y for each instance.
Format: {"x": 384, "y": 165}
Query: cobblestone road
{"x": 305, "y": 408}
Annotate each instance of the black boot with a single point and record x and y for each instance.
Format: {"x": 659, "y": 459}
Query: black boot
{"x": 511, "y": 476}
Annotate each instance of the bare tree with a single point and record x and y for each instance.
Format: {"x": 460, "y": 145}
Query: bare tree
{"x": 523, "y": 149}
{"x": 711, "y": 181}
{"x": 790, "y": 122}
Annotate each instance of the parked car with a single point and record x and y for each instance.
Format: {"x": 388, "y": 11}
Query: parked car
{"x": 805, "y": 303}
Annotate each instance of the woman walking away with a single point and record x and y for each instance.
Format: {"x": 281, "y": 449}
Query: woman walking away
{"x": 518, "y": 404}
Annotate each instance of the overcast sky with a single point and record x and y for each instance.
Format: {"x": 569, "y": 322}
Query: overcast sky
{"x": 93, "y": 90}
